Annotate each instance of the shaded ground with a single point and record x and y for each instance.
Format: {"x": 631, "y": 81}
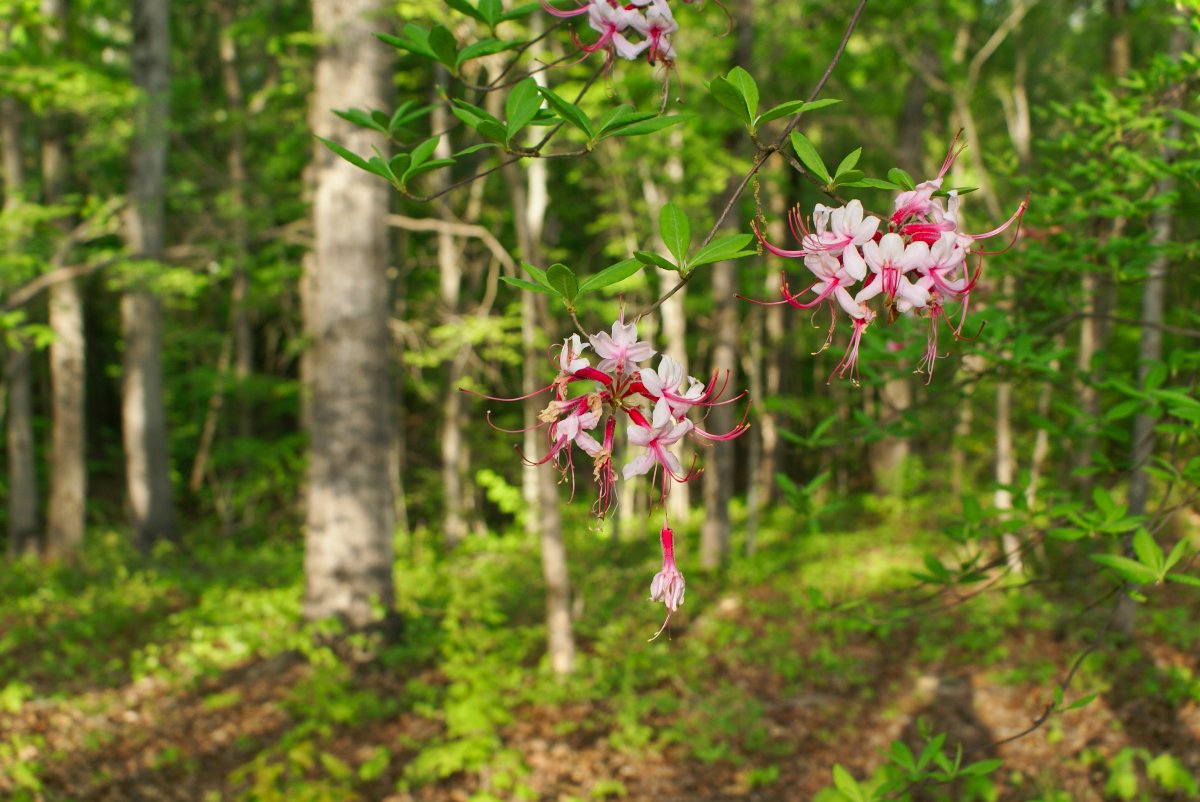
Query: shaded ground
{"x": 756, "y": 697}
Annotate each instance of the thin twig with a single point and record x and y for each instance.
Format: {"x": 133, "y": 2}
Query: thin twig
{"x": 765, "y": 153}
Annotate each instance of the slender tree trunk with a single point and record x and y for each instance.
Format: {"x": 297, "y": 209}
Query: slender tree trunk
{"x": 350, "y": 509}
{"x": 23, "y": 529}
{"x": 671, "y": 312}
{"x": 240, "y": 316}
{"x": 1098, "y": 289}
{"x": 1150, "y": 344}
{"x": 143, "y": 416}
{"x": 66, "y": 512}
{"x": 23, "y": 522}
{"x": 530, "y": 202}
{"x": 453, "y": 444}
{"x": 719, "y": 472}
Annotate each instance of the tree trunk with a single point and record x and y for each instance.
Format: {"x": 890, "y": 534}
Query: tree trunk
{"x": 66, "y": 513}
{"x": 719, "y": 472}
{"x": 350, "y": 512}
{"x": 1150, "y": 344}
{"x": 240, "y": 319}
{"x": 143, "y": 416}
{"x": 453, "y": 424}
{"x": 22, "y": 473}
{"x": 1098, "y": 289}
{"x": 23, "y": 500}
{"x": 530, "y": 204}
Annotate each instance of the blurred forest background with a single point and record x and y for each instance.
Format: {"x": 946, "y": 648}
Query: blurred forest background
{"x": 261, "y": 547}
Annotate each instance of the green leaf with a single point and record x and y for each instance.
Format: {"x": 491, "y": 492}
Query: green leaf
{"x": 522, "y": 106}
{"x": 1103, "y": 500}
{"x": 404, "y": 115}
{"x": 492, "y": 130}
{"x": 981, "y": 767}
{"x": 1122, "y": 410}
{"x": 1155, "y": 377}
{"x": 1127, "y": 569}
{"x": 444, "y": 47}
{"x": 400, "y": 163}
{"x": 1082, "y": 701}
{"x": 562, "y": 281}
{"x": 809, "y": 157}
{"x": 676, "y": 231}
{"x": 353, "y": 158}
{"x": 518, "y": 12}
{"x": 848, "y": 177}
{"x": 902, "y": 756}
{"x": 652, "y": 258}
{"x": 379, "y": 166}
{"x": 646, "y": 126}
{"x": 792, "y": 107}
{"x": 415, "y": 40}
{"x": 491, "y": 11}
{"x": 470, "y": 114}
{"x": 731, "y": 246}
{"x": 1148, "y": 552}
{"x": 1176, "y": 555}
{"x": 569, "y": 112}
{"x": 361, "y": 119}
{"x": 422, "y": 152}
{"x": 1185, "y": 579}
{"x": 731, "y": 98}
{"x": 477, "y": 146}
{"x": 1187, "y": 117}
{"x": 620, "y": 115}
{"x": 610, "y": 275}
{"x": 463, "y": 7}
{"x": 933, "y": 747}
{"x": 526, "y": 285}
{"x": 874, "y": 183}
{"x": 848, "y": 163}
{"x": 898, "y": 176}
{"x": 425, "y": 167}
{"x": 484, "y": 47}
{"x": 845, "y": 782}
{"x": 538, "y": 274}
{"x": 744, "y": 83}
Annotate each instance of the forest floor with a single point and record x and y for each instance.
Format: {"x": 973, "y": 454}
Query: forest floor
{"x": 188, "y": 678}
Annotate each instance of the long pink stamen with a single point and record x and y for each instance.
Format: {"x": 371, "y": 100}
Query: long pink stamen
{"x": 501, "y": 398}
{"x": 1017, "y": 216}
{"x": 575, "y": 12}
{"x": 849, "y": 361}
{"x": 488, "y": 416}
{"x": 775, "y": 250}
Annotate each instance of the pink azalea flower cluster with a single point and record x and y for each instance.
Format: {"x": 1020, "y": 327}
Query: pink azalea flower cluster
{"x": 917, "y": 263}
{"x": 627, "y": 30}
{"x": 589, "y": 401}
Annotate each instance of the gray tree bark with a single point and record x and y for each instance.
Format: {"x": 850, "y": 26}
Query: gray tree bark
{"x": 66, "y": 514}
{"x": 719, "y": 472}
{"x": 1150, "y": 345}
{"x": 348, "y": 540}
{"x": 450, "y": 277}
{"x": 544, "y": 517}
{"x": 143, "y": 416}
{"x": 23, "y": 519}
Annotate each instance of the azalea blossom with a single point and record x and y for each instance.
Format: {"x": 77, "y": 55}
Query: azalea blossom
{"x": 918, "y": 264}
{"x": 667, "y": 586}
{"x": 657, "y": 436}
{"x": 653, "y": 402}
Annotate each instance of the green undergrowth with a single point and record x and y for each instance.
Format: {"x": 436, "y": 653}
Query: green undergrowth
{"x": 812, "y": 620}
